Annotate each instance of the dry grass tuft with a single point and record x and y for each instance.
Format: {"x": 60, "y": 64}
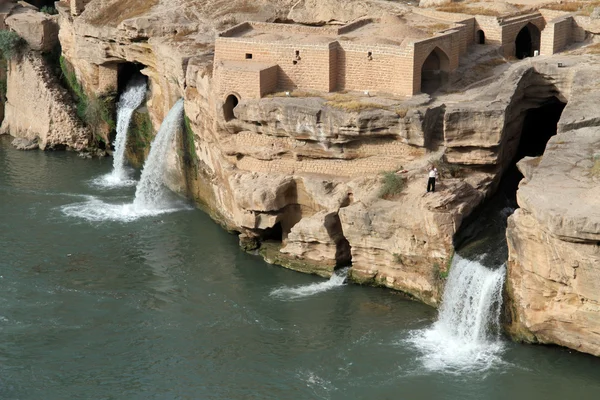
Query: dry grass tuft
{"x": 120, "y": 10}
{"x": 353, "y": 105}
{"x": 462, "y": 8}
{"x": 431, "y": 29}
{"x": 239, "y": 7}
{"x": 295, "y": 93}
{"x": 596, "y": 167}
{"x": 593, "y": 49}
{"x": 581, "y": 7}
{"x": 488, "y": 65}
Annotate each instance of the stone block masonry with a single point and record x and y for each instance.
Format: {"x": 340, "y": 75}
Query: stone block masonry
{"x": 250, "y": 80}
{"x": 557, "y": 35}
{"x": 329, "y": 58}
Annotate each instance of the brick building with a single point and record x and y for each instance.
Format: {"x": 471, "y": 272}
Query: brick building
{"x": 402, "y": 55}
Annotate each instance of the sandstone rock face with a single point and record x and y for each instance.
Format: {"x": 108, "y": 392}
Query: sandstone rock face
{"x": 38, "y": 107}
{"x": 554, "y": 252}
{"x": 39, "y": 30}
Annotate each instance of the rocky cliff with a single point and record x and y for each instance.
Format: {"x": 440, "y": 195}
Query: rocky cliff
{"x": 554, "y": 238}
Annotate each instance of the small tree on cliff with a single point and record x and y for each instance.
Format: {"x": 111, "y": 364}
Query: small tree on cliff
{"x": 11, "y": 44}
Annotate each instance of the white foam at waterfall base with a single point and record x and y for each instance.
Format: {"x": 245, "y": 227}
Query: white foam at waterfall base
{"x": 130, "y": 100}
{"x": 466, "y": 336}
{"x": 290, "y": 293}
{"x": 152, "y": 197}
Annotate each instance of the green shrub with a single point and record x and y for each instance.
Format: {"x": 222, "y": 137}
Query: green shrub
{"x": 391, "y": 185}
{"x": 446, "y": 169}
{"x": 49, "y": 10}
{"x": 11, "y": 44}
{"x": 93, "y": 110}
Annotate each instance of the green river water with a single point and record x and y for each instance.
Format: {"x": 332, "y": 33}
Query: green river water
{"x": 167, "y": 307}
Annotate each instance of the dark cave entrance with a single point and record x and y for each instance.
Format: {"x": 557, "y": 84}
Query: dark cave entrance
{"x": 128, "y": 72}
{"x": 275, "y": 233}
{"x": 41, "y": 3}
{"x": 484, "y": 231}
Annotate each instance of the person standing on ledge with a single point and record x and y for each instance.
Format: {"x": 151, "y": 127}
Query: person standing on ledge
{"x": 433, "y": 172}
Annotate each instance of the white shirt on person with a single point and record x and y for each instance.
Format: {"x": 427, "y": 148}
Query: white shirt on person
{"x": 433, "y": 173}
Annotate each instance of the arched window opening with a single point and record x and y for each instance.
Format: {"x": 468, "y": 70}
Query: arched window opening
{"x": 434, "y": 72}
{"x": 480, "y": 37}
{"x": 230, "y": 103}
{"x": 527, "y": 41}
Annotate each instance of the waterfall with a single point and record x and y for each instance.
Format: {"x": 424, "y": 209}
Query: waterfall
{"x": 151, "y": 196}
{"x": 466, "y": 335}
{"x": 151, "y": 193}
{"x": 338, "y": 278}
{"x": 130, "y": 100}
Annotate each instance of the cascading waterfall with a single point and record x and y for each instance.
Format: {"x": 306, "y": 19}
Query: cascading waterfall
{"x": 466, "y": 335}
{"x": 151, "y": 192}
{"x": 130, "y": 100}
{"x": 151, "y": 196}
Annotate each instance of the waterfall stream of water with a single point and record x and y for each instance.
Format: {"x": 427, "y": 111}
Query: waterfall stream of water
{"x": 130, "y": 100}
{"x": 466, "y": 335}
{"x": 152, "y": 197}
{"x": 151, "y": 192}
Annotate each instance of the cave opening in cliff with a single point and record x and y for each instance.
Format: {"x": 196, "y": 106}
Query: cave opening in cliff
{"x": 483, "y": 233}
{"x": 41, "y": 3}
{"x": 274, "y": 233}
{"x": 127, "y": 72}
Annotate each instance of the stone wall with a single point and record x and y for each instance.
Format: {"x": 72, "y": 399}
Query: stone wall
{"x": 557, "y": 35}
{"x": 305, "y": 66}
{"x": 77, "y": 6}
{"x": 247, "y": 80}
{"x": 449, "y": 44}
{"x": 511, "y": 28}
{"x": 387, "y": 70}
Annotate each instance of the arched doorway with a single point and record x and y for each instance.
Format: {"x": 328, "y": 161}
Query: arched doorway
{"x": 527, "y": 41}
{"x": 230, "y": 103}
{"x": 480, "y": 37}
{"x": 434, "y": 72}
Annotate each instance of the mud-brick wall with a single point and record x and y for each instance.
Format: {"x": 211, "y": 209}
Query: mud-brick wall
{"x": 248, "y": 83}
{"x": 77, "y": 6}
{"x": 556, "y": 36}
{"x": 386, "y": 70}
{"x": 510, "y": 31}
{"x": 491, "y": 29}
{"x": 305, "y": 66}
{"x": 449, "y": 44}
